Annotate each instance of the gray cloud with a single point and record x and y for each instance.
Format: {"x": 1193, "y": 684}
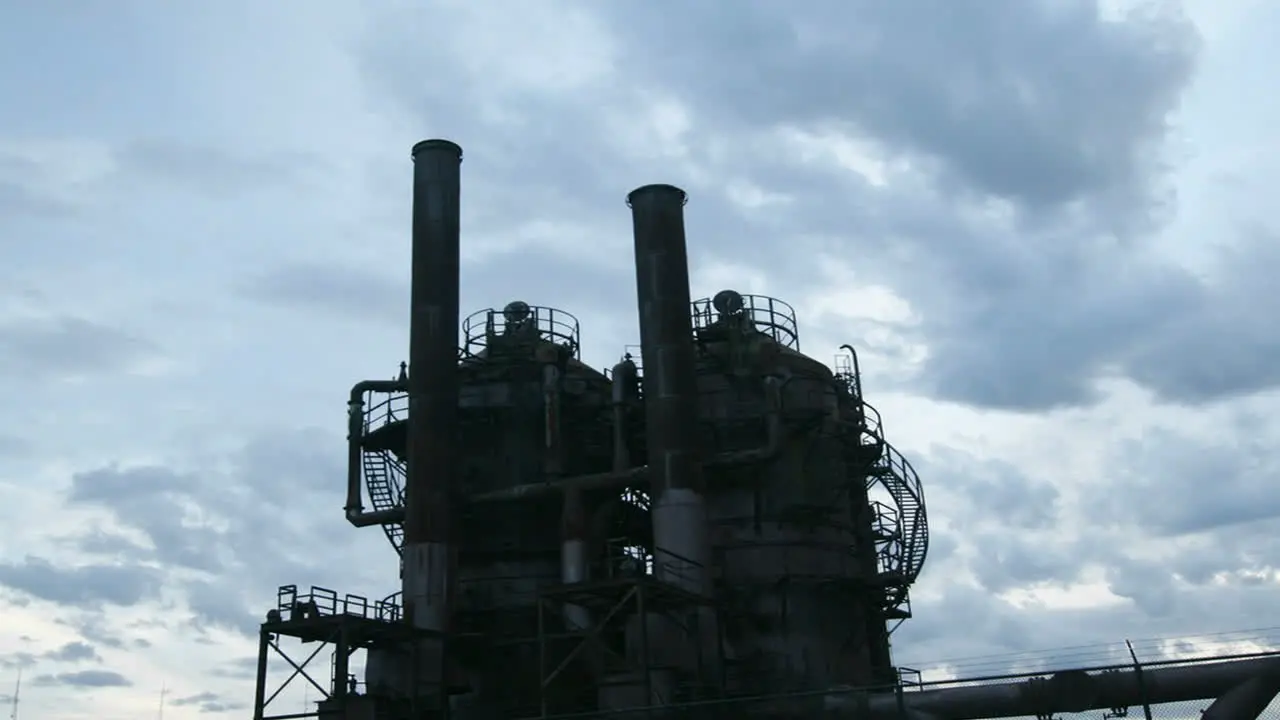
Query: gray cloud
{"x": 86, "y": 679}
{"x": 1225, "y": 344}
{"x": 992, "y": 490}
{"x": 207, "y": 702}
{"x": 1071, "y": 138}
{"x": 67, "y": 346}
{"x": 1041, "y": 105}
{"x": 590, "y": 293}
{"x": 1039, "y": 175}
{"x": 239, "y": 669}
{"x": 72, "y": 652}
{"x": 152, "y": 499}
{"x": 220, "y": 172}
{"x": 261, "y": 511}
{"x": 1007, "y": 561}
{"x": 353, "y": 292}
{"x": 1180, "y": 524}
{"x": 17, "y": 660}
{"x": 217, "y": 605}
{"x": 1177, "y": 484}
{"x": 1000, "y": 523}
{"x": 94, "y": 626}
{"x": 84, "y": 586}
{"x": 100, "y": 542}
{"x": 1000, "y": 637}
{"x": 13, "y": 446}
{"x": 21, "y": 198}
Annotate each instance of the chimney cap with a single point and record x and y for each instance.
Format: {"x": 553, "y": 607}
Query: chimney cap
{"x": 436, "y": 145}
{"x": 659, "y": 188}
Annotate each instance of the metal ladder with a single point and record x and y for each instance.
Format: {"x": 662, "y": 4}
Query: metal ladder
{"x": 378, "y": 471}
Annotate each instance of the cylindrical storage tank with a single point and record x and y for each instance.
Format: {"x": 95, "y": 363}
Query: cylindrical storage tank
{"x": 531, "y": 413}
{"x": 782, "y": 525}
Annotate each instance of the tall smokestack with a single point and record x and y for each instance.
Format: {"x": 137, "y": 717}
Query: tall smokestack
{"x": 670, "y": 386}
{"x": 429, "y": 554}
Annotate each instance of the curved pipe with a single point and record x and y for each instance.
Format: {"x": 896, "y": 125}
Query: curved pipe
{"x": 857, "y": 369}
{"x": 355, "y": 446}
{"x": 773, "y": 428}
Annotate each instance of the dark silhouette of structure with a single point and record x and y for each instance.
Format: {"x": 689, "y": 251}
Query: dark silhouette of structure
{"x": 720, "y": 517}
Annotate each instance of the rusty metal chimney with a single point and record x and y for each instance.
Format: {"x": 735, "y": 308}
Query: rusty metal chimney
{"x": 678, "y": 509}
{"x": 429, "y": 552}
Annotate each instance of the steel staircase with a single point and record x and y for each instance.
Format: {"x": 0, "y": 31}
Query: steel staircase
{"x": 383, "y": 480}
{"x": 902, "y": 531}
{"x": 383, "y": 472}
{"x": 903, "y": 560}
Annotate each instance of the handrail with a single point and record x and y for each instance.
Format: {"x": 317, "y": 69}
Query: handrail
{"x": 481, "y": 330}
{"x": 323, "y": 602}
{"x": 764, "y": 314}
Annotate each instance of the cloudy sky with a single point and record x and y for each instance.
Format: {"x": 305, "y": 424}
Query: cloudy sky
{"x": 1046, "y": 224}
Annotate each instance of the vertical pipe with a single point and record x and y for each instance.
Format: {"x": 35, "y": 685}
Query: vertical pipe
{"x": 678, "y": 510}
{"x": 341, "y": 670}
{"x": 623, "y": 391}
{"x": 260, "y": 688}
{"x": 573, "y": 521}
{"x": 573, "y": 555}
{"x": 429, "y": 554}
{"x": 553, "y": 445}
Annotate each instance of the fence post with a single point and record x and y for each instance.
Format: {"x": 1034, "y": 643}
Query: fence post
{"x": 1142, "y": 682}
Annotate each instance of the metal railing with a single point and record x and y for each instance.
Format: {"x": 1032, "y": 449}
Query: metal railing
{"x": 384, "y": 408}
{"x": 762, "y": 313}
{"x": 323, "y": 602}
{"x": 482, "y": 329}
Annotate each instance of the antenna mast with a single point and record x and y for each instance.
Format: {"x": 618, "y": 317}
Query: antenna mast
{"x": 164, "y": 692}
{"x": 17, "y": 690}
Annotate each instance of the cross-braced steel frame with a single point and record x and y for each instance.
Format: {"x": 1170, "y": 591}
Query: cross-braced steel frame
{"x": 610, "y": 602}
{"x": 345, "y": 624}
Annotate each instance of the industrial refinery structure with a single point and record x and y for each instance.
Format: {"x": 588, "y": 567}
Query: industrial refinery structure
{"x": 715, "y": 518}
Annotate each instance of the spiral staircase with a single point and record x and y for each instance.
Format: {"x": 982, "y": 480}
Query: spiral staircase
{"x": 901, "y": 525}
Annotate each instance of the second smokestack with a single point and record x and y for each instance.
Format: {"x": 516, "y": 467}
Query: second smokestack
{"x": 670, "y": 386}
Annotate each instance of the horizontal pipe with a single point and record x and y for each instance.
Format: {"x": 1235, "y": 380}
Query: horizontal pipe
{"x": 1176, "y": 681}
{"x": 773, "y": 442}
{"x": 1068, "y": 691}
{"x": 578, "y": 482}
{"x": 617, "y": 478}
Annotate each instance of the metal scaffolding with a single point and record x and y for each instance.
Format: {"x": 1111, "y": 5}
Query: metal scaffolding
{"x": 344, "y": 624}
